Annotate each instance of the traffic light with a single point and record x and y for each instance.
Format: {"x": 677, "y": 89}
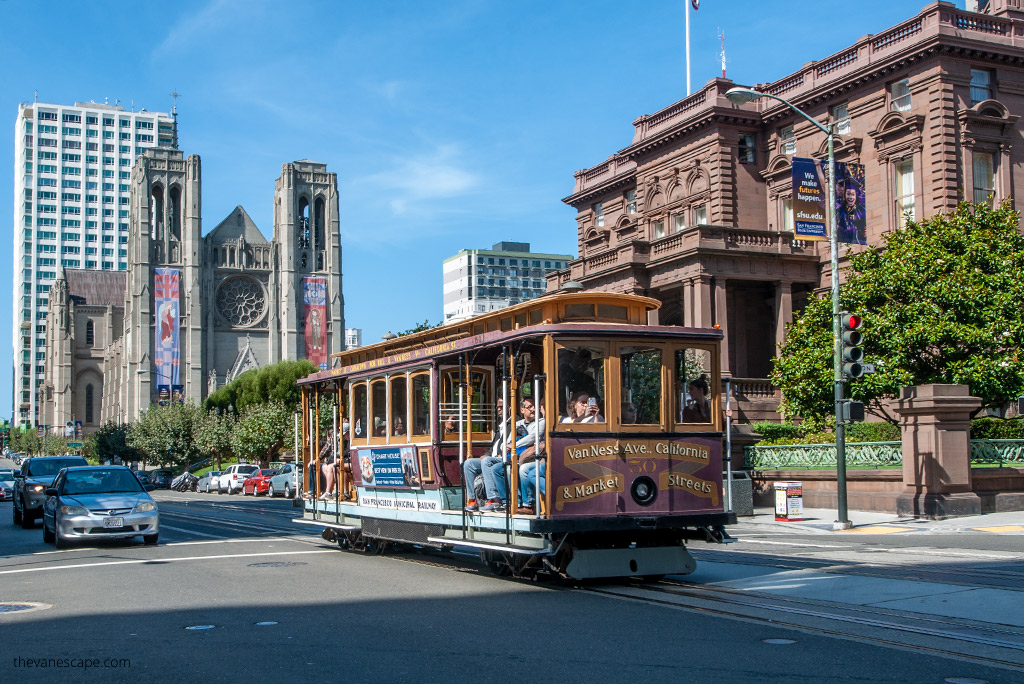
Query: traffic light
{"x": 852, "y": 352}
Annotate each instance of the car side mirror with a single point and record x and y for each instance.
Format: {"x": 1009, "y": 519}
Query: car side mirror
{"x": 149, "y": 487}
{"x": 51, "y": 491}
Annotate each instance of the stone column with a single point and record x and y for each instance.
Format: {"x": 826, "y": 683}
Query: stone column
{"x": 935, "y": 421}
{"x": 783, "y": 311}
{"x": 702, "y": 301}
{"x": 688, "y": 320}
{"x": 721, "y": 318}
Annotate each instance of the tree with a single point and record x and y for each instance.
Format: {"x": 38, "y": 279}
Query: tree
{"x": 213, "y": 438}
{"x": 167, "y": 434}
{"x": 110, "y": 443}
{"x": 420, "y": 327}
{"x": 277, "y": 382}
{"x": 941, "y": 303}
{"x": 263, "y": 431}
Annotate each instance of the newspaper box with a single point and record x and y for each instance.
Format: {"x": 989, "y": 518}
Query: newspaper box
{"x": 789, "y": 501}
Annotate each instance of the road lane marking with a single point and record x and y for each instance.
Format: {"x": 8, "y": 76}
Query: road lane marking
{"x": 813, "y": 546}
{"x": 198, "y": 534}
{"x": 876, "y": 529}
{"x": 1001, "y": 528}
{"x": 157, "y": 561}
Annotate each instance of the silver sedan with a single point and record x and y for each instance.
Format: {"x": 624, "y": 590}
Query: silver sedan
{"x": 99, "y": 502}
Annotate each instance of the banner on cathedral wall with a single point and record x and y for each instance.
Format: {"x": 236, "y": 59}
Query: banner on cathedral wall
{"x": 167, "y": 352}
{"x": 314, "y": 296}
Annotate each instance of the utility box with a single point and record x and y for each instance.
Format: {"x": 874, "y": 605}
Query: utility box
{"x": 742, "y": 492}
{"x": 789, "y": 501}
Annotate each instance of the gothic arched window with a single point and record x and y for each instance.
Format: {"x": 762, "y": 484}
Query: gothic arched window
{"x": 88, "y": 404}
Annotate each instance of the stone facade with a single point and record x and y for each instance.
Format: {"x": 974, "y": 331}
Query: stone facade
{"x": 240, "y": 297}
{"x": 697, "y": 210}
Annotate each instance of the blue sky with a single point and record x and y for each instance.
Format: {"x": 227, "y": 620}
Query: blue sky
{"x": 451, "y": 124}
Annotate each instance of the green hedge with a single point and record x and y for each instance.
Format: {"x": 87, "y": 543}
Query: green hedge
{"x": 773, "y": 434}
{"x": 997, "y": 428}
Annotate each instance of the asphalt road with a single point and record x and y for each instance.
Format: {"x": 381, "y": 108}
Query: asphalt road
{"x": 237, "y": 592}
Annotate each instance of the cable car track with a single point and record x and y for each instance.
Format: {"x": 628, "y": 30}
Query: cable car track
{"x": 731, "y": 604}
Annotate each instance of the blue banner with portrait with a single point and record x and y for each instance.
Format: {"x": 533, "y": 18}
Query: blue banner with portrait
{"x": 850, "y": 203}
{"x": 809, "y": 209}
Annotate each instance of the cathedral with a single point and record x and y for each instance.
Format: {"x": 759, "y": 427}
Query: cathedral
{"x": 191, "y": 313}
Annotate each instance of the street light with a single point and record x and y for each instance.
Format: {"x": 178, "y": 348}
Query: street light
{"x": 741, "y": 96}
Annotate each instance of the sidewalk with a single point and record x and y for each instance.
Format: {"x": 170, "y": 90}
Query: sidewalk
{"x": 821, "y": 520}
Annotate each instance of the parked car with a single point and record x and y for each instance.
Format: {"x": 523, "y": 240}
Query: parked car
{"x": 208, "y": 482}
{"x": 143, "y": 477}
{"x": 99, "y": 502}
{"x": 31, "y": 481}
{"x": 161, "y": 479}
{"x": 232, "y": 479}
{"x": 284, "y": 481}
{"x": 259, "y": 482}
{"x": 6, "y": 484}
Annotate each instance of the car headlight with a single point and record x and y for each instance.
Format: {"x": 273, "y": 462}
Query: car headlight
{"x": 145, "y": 507}
{"x": 38, "y": 488}
{"x": 73, "y": 510}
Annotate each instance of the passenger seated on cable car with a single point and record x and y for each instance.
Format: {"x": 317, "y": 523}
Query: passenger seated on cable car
{"x": 583, "y": 409}
{"x": 380, "y": 429}
{"x": 529, "y": 463}
{"x": 399, "y": 427}
{"x": 473, "y": 467}
{"x": 628, "y": 413}
{"x": 697, "y": 408}
{"x": 494, "y": 466}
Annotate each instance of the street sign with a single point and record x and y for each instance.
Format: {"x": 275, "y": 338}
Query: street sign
{"x": 867, "y": 368}
{"x": 75, "y": 445}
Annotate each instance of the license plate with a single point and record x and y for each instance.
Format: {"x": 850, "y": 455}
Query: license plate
{"x": 113, "y": 522}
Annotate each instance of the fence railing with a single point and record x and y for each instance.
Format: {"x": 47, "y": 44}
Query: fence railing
{"x": 998, "y": 452}
{"x": 984, "y": 452}
{"x": 819, "y": 456}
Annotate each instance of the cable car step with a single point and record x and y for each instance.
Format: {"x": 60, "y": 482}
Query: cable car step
{"x": 324, "y": 523}
{"x": 490, "y": 546}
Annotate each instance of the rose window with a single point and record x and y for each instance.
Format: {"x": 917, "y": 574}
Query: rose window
{"x": 241, "y": 301}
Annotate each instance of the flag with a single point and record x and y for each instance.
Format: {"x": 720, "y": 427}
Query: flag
{"x": 696, "y": 4}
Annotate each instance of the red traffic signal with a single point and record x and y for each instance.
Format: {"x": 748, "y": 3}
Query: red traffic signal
{"x": 852, "y": 321}
{"x": 852, "y": 354}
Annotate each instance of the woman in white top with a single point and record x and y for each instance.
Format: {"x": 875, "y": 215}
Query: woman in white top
{"x": 583, "y": 409}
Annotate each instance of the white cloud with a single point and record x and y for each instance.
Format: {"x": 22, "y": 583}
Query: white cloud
{"x": 415, "y": 184}
{"x": 206, "y": 21}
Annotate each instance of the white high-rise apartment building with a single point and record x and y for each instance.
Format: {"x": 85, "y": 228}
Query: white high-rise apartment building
{"x": 481, "y": 280}
{"x": 72, "y": 166}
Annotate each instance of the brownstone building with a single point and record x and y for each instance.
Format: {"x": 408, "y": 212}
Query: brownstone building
{"x": 697, "y": 210}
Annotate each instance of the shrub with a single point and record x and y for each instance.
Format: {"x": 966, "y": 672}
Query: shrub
{"x": 771, "y": 432}
{"x": 997, "y": 428}
{"x": 873, "y": 432}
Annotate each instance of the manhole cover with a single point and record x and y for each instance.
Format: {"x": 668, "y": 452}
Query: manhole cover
{"x": 275, "y": 564}
{"x": 12, "y": 607}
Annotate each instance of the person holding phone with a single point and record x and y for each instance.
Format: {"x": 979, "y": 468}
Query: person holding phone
{"x": 583, "y": 408}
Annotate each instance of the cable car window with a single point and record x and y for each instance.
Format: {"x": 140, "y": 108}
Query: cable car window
{"x": 641, "y": 385}
{"x": 581, "y": 383}
{"x": 481, "y": 403}
{"x": 358, "y": 419}
{"x": 379, "y": 407}
{"x": 399, "y": 408}
{"x": 421, "y": 404}
{"x": 692, "y": 371}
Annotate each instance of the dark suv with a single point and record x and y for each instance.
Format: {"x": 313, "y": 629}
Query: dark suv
{"x": 30, "y": 483}
{"x": 161, "y": 479}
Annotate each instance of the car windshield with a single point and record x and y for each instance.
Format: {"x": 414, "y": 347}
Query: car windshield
{"x": 100, "y": 482}
{"x": 268, "y": 473}
{"x": 51, "y": 466}
{"x": 6, "y": 477}
{"x": 247, "y": 469}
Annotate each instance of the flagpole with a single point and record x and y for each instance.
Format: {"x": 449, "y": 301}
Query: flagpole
{"x": 687, "y": 3}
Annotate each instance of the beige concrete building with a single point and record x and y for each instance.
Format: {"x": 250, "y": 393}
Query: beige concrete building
{"x": 697, "y": 210}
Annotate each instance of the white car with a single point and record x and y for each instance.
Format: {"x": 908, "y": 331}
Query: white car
{"x": 232, "y": 479}
{"x": 208, "y": 482}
